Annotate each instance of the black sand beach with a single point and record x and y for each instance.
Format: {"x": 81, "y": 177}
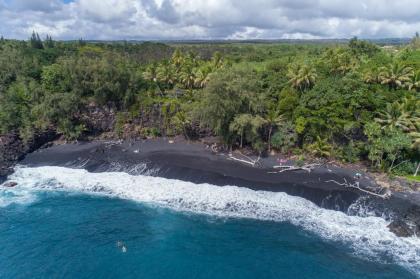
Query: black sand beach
{"x": 196, "y": 162}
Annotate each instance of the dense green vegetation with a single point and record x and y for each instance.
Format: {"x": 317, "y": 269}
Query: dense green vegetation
{"x": 350, "y": 102}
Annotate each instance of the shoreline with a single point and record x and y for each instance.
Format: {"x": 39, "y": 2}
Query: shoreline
{"x": 196, "y": 162}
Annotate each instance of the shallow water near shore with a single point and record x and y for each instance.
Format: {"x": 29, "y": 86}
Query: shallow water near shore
{"x": 70, "y": 223}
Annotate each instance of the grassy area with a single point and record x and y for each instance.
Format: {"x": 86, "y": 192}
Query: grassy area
{"x": 413, "y": 178}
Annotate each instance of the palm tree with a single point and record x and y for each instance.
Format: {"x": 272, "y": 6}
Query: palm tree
{"x": 320, "y": 148}
{"x": 192, "y": 58}
{"x": 412, "y": 105}
{"x": 343, "y": 63}
{"x": 203, "y": 76}
{"x": 217, "y": 60}
{"x": 414, "y": 83}
{"x": 293, "y": 75}
{"x": 273, "y": 118}
{"x": 396, "y": 115}
{"x": 166, "y": 73}
{"x": 177, "y": 60}
{"x": 339, "y": 60}
{"x": 395, "y": 75}
{"x": 371, "y": 76}
{"x": 302, "y": 77}
{"x": 181, "y": 122}
{"x": 415, "y": 138}
{"x": 239, "y": 124}
{"x": 404, "y": 116}
{"x": 151, "y": 73}
{"x": 188, "y": 76}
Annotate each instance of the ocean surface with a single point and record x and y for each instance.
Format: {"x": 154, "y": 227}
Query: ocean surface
{"x": 69, "y": 223}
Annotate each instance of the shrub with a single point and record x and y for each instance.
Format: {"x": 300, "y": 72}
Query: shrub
{"x": 350, "y": 152}
{"x": 70, "y": 130}
{"x": 285, "y": 138}
{"x": 259, "y": 145}
{"x": 151, "y": 132}
{"x": 320, "y": 148}
{"x": 405, "y": 168}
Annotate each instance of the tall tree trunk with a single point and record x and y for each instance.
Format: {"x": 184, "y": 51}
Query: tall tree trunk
{"x": 270, "y": 130}
{"x": 392, "y": 164}
{"x": 417, "y": 169}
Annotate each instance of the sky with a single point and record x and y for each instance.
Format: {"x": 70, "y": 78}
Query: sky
{"x": 209, "y": 19}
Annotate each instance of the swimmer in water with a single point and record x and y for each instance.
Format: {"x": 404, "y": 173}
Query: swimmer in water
{"x": 121, "y": 245}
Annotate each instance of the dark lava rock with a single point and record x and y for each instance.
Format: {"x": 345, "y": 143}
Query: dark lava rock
{"x": 13, "y": 149}
{"x": 400, "y": 228}
{"x": 98, "y": 119}
{"x": 3, "y": 178}
{"x": 10, "y": 145}
{"x": 5, "y": 171}
{"x": 47, "y": 145}
{"x": 39, "y": 139}
{"x": 10, "y": 184}
{"x": 408, "y": 225}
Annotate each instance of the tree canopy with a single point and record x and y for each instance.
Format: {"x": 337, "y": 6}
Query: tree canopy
{"x": 349, "y": 101}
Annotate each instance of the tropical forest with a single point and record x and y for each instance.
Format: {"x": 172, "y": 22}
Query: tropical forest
{"x": 349, "y": 101}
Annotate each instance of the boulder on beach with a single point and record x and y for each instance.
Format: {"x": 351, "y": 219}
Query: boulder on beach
{"x": 400, "y": 228}
{"x": 408, "y": 225}
{"x": 10, "y": 184}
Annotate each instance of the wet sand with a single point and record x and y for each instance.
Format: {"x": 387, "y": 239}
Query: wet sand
{"x": 195, "y": 162}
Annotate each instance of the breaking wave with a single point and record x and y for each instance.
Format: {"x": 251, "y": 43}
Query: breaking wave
{"x": 367, "y": 236}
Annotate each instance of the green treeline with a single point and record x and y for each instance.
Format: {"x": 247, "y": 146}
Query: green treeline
{"x": 350, "y": 102}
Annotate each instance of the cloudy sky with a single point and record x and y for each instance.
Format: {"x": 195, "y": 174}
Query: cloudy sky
{"x": 209, "y": 19}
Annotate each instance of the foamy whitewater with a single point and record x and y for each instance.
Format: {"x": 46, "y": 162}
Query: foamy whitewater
{"x": 368, "y": 237}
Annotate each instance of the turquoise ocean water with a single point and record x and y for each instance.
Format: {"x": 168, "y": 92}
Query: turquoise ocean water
{"x": 62, "y": 223}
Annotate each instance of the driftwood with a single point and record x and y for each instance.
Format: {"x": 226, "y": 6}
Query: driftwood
{"x": 245, "y": 160}
{"x": 213, "y": 148}
{"x": 306, "y": 167}
{"x": 356, "y": 185}
{"x": 417, "y": 169}
{"x": 394, "y": 166}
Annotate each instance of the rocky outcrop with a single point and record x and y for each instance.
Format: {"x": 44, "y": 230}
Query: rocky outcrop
{"x": 408, "y": 224}
{"x": 97, "y": 119}
{"x": 40, "y": 139}
{"x": 13, "y": 149}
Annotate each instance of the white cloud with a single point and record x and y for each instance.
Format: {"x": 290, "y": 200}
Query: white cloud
{"x": 209, "y": 19}
{"x": 35, "y": 5}
{"x": 106, "y": 10}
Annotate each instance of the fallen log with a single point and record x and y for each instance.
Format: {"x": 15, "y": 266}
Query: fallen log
{"x": 246, "y": 160}
{"x": 356, "y": 185}
{"x": 306, "y": 167}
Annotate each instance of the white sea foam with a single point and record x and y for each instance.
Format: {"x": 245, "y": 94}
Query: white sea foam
{"x": 16, "y": 196}
{"x": 367, "y": 236}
